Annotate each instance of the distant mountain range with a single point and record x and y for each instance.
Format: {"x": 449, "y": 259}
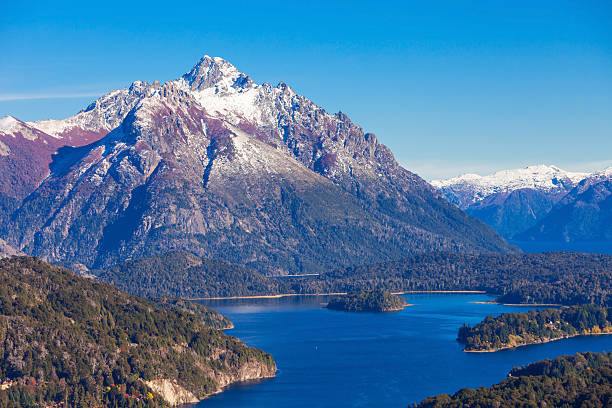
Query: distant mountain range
{"x": 538, "y": 203}
{"x": 218, "y": 165}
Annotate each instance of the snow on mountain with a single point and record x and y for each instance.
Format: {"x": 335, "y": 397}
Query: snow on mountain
{"x": 219, "y": 165}
{"x": 7, "y": 123}
{"x": 603, "y": 174}
{"x": 470, "y": 188}
{"x": 584, "y": 214}
{"x": 99, "y": 118}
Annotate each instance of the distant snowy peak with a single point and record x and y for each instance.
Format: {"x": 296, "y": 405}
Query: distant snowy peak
{"x": 603, "y": 174}
{"x": 469, "y": 188}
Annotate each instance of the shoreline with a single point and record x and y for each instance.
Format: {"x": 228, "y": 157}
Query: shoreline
{"x": 281, "y": 295}
{"x": 492, "y": 302}
{"x": 534, "y": 343}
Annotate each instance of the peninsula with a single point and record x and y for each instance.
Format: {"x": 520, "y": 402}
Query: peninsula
{"x": 67, "y": 340}
{"x": 510, "y": 330}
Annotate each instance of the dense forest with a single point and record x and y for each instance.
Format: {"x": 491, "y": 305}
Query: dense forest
{"x": 536, "y": 326}
{"x": 368, "y": 301}
{"x": 555, "y": 277}
{"x": 583, "y": 380}
{"x": 181, "y": 274}
{"x": 70, "y": 340}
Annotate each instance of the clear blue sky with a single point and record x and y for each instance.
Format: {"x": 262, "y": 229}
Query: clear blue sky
{"x": 450, "y": 86}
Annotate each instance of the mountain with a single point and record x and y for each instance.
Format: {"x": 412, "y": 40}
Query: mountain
{"x": 514, "y": 212}
{"x": 226, "y": 168}
{"x": 71, "y": 341}
{"x": 471, "y": 188}
{"x": 510, "y": 201}
{"x": 583, "y": 215}
{"x": 26, "y": 148}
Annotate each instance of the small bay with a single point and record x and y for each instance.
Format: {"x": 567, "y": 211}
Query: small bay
{"x": 329, "y": 358}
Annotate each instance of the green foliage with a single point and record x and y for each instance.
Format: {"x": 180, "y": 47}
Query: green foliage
{"x": 210, "y": 317}
{"x": 583, "y": 380}
{"x": 514, "y": 329}
{"x": 181, "y": 274}
{"x": 368, "y": 301}
{"x": 555, "y": 277}
{"x": 65, "y": 338}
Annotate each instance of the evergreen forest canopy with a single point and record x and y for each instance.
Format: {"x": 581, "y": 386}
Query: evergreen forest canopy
{"x": 582, "y": 380}
{"x": 368, "y": 301}
{"x": 71, "y": 340}
{"x": 536, "y": 326}
{"x": 555, "y": 277}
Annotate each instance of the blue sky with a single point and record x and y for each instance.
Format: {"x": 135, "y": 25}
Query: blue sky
{"x": 449, "y": 86}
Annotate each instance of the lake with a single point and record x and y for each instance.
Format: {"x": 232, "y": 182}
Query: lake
{"x": 544, "y": 246}
{"x": 330, "y": 358}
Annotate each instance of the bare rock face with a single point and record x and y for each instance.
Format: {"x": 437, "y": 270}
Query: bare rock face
{"x": 7, "y": 250}
{"x": 225, "y": 168}
{"x": 172, "y": 392}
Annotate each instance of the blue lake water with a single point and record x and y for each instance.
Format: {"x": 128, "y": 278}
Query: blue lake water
{"x": 543, "y": 246}
{"x": 329, "y": 358}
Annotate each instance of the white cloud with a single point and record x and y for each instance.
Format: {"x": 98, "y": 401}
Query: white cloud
{"x": 22, "y": 97}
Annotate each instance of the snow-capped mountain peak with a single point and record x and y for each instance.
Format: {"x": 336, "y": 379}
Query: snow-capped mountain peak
{"x": 469, "y": 188}
{"x": 218, "y": 74}
{"x": 7, "y": 123}
{"x": 99, "y": 118}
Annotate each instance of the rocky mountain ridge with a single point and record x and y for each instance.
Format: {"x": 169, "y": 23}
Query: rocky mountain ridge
{"x": 538, "y": 203}
{"x": 582, "y": 215}
{"x": 226, "y": 168}
{"x": 469, "y": 188}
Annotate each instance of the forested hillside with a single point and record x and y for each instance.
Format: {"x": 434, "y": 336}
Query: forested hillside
{"x": 181, "y": 274}
{"x": 68, "y": 339}
{"x": 536, "y": 326}
{"x": 583, "y": 380}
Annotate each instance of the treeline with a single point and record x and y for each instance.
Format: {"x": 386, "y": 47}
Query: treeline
{"x": 583, "y": 380}
{"x": 181, "y": 274}
{"x": 536, "y": 326}
{"x": 71, "y": 340}
{"x": 556, "y": 277}
{"x": 368, "y": 301}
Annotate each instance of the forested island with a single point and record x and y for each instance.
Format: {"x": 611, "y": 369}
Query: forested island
{"x": 66, "y": 340}
{"x": 510, "y": 330}
{"x": 376, "y": 301}
{"x": 582, "y": 380}
{"x": 553, "y": 278}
